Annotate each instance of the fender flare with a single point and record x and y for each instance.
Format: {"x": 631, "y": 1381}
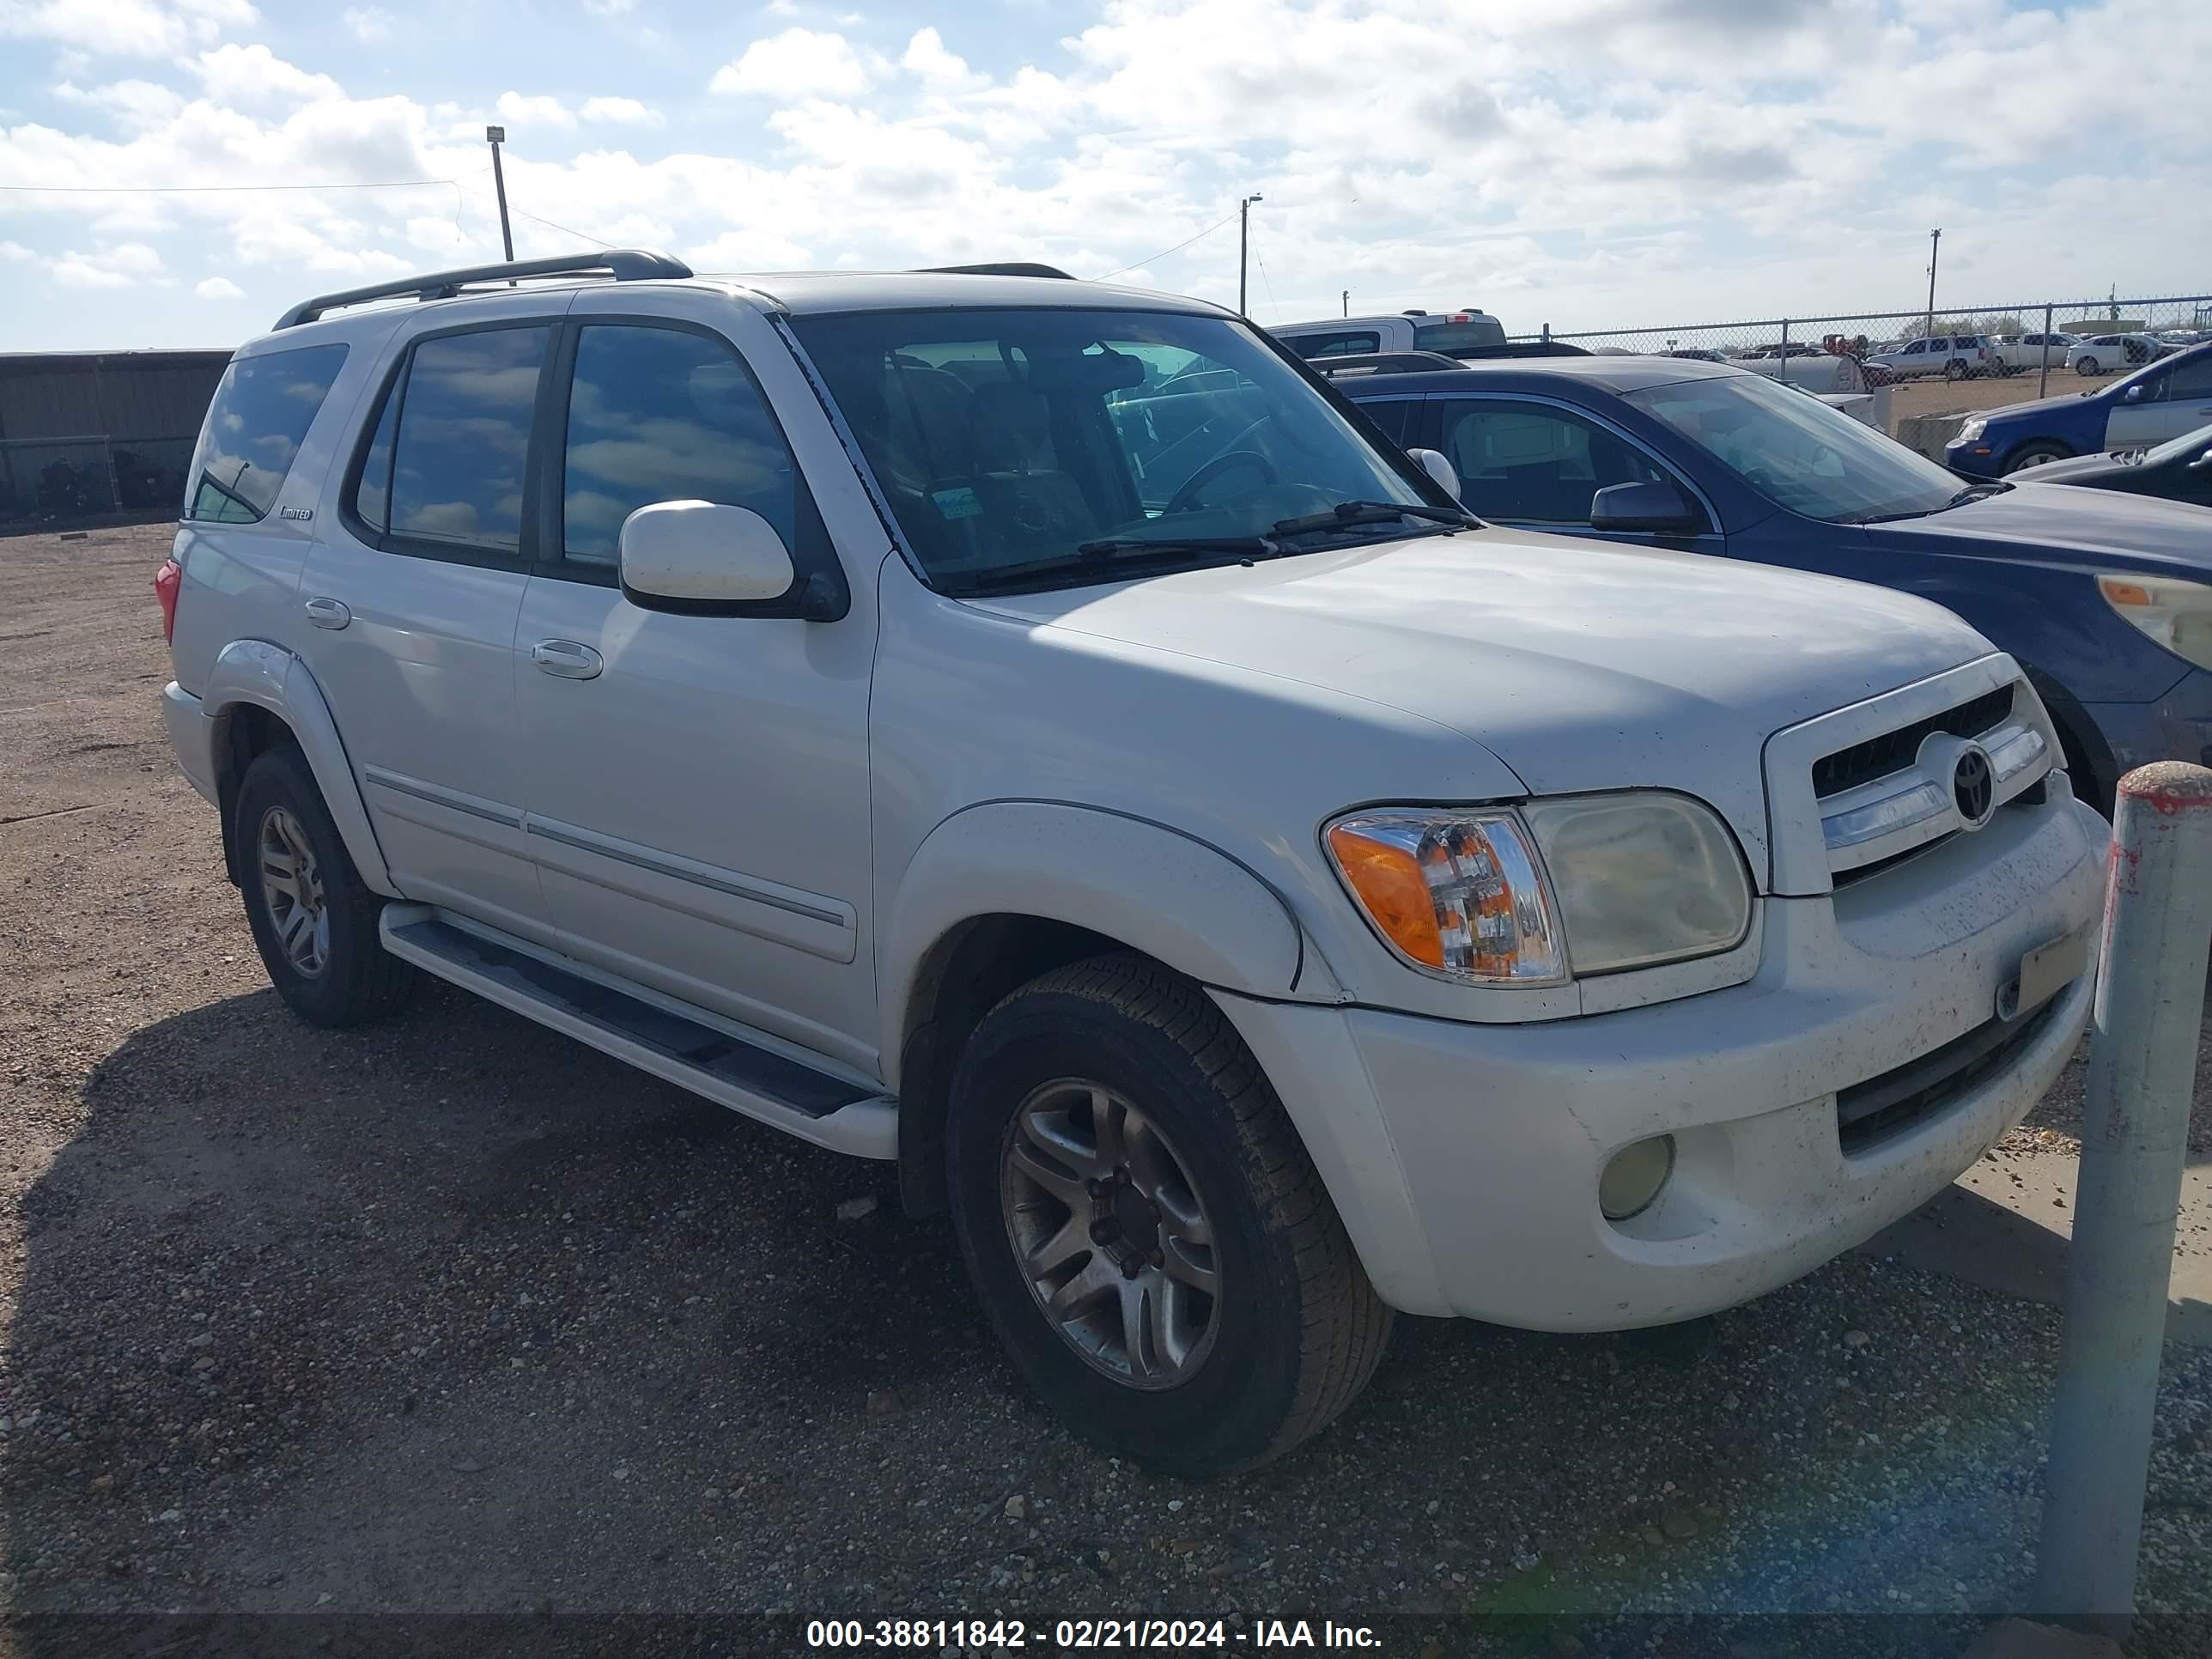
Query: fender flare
{"x": 1176, "y": 898}
{"x": 268, "y": 676}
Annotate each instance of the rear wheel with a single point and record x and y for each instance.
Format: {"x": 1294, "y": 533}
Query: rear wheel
{"x": 313, "y": 918}
{"x": 1145, "y": 1230}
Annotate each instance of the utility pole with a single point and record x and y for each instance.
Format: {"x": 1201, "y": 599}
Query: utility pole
{"x": 1935, "y": 243}
{"x": 495, "y": 136}
{"x": 1347, "y": 302}
{"x": 1244, "y": 244}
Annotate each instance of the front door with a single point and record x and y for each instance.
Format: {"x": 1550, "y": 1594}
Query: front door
{"x": 412, "y": 590}
{"x": 2167, "y": 404}
{"x": 1537, "y": 466}
{"x": 697, "y": 786}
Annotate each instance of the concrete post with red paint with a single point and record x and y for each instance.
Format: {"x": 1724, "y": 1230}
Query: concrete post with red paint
{"x": 2135, "y": 1138}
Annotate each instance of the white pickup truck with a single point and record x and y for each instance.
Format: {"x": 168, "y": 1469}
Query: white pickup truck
{"x": 1038, "y": 734}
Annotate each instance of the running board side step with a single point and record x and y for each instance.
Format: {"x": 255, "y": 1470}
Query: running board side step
{"x": 751, "y": 1077}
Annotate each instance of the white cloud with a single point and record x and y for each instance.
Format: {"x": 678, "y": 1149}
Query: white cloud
{"x": 122, "y": 266}
{"x": 534, "y": 112}
{"x": 134, "y": 103}
{"x": 127, "y": 28}
{"x": 15, "y": 251}
{"x": 940, "y": 71}
{"x": 368, "y": 24}
{"x": 798, "y": 64}
{"x": 609, "y": 7}
{"x": 218, "y": 288}
{"x": 626, "y": 111}
{"x": 246, "y": 75}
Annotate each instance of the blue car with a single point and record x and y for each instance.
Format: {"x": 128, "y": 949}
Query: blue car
{"x": 2160, "y": 400}
{"x": 2105, "y": 598}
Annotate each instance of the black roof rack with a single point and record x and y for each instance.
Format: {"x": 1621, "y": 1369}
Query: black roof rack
{"x": 1011, "y": 268}
{"x": 1382, "y": 362}
{"x": 624, "y": 264}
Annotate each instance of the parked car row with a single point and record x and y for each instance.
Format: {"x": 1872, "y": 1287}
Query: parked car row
{"x": 1259, "y": 853}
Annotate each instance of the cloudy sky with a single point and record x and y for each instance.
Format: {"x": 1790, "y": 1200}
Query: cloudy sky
{"x": 1580, "y": 162}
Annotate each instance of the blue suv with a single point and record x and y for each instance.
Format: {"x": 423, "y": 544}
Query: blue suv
{"x": 2105, "y": 598}
{"x": 2162, "y": 399}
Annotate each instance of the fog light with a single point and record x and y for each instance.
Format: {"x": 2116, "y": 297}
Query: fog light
{"x": 1633, "y": 1177}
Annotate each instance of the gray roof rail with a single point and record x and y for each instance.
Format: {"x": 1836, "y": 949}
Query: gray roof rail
{"x": 624, "y": 264}
{"x": 1011, "y": 268}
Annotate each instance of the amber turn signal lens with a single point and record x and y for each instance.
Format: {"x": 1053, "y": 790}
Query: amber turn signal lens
{"x": 1388, "y": 883}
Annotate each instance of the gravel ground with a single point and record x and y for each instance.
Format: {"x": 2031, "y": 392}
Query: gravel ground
{"x": 456, "y": 1316}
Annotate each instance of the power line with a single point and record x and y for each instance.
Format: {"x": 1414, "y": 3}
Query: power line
{"x": 207, "y": 190}
{"x": 1164, "y": 251}
{"x": 524, "y": 213}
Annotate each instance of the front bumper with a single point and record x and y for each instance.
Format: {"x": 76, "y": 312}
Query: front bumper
{"x": 2177, "y": 727}
{"x": 191, "y": 735}
{"x": 1465, "y": 1157}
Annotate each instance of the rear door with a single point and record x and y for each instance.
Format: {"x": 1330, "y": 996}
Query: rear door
{"x": 411, "y": 594}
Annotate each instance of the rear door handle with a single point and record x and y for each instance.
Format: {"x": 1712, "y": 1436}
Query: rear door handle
{"x": 571, "y": 660}
{"x": 329, "y": 613}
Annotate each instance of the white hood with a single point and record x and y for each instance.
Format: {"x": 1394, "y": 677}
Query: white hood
{"x": 1581, "y": 665}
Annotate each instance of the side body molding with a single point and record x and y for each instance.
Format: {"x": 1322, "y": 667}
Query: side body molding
{"x": 1155, "y": 888}
{"x": 268, "y": 676}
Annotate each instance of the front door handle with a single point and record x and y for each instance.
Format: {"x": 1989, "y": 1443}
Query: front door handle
{"x": 329, "y": 613}
{"x": 571, "y": 660}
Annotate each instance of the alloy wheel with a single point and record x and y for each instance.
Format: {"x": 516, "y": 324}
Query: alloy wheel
{"x": 292, "y": 888}
{"x": 1110, "y": 1233}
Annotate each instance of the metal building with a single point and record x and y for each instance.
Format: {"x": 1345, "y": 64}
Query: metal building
{"x": 89, "y": 432}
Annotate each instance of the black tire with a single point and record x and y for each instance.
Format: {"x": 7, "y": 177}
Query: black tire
{"x": 2034, "y": 453}
{"x": 1956, "y": 369}
{"x": 1297, "y": 1330}
{"x": 357, "y": 980}
{"x": 2086, "y": 366}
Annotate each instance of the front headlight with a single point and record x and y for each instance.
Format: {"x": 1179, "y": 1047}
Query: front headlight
{"x": 1576, "y": 885}
{"x": 2175, "y": 614}
{"x": 1971, "y": 431}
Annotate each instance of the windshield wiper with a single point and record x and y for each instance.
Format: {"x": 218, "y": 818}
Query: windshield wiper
{"x": 1102, "y": 560}
{"x": 1352, "y": 513}
{"x": 1970, "y": 492}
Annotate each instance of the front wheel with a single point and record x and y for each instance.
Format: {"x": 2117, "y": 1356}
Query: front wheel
{"x": 1956, "y": 369}
{"x": 1147, "y": 1235}
{"x": 2033, "y": 455}
{"x": 2086, "y": 366}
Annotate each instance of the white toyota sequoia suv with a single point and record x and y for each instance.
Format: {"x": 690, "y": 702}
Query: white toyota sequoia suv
{"x": 1037, "y": 734}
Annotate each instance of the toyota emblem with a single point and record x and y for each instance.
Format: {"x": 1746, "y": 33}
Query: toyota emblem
{"x": 1974, "y": 786}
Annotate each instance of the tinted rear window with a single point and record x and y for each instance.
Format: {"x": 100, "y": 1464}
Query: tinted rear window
{"x": 464, "y": 433}
{"x": 261, "y": 411}
{"x": 1449, "y": 337}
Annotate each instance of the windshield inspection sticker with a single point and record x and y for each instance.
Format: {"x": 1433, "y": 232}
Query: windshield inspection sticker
{"x": 960, "y": 503}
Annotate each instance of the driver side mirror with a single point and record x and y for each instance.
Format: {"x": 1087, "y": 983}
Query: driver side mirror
{"x": 697, "y": 559}
{"x": 2133, "y": 395}
{"x": 1655, "y": 509}
{"x": 1437, "y": 465}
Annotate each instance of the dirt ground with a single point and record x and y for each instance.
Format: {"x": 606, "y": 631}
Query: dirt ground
{"x": 1936, "y": 396}
{"x": 454, "y": 1316}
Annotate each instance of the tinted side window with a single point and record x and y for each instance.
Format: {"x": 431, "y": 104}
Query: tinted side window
{"x": 663, "y": 415}
{"x": 1534, "y": 464}
{"x": 261, "y": 411}
{"x": 1390, "y": 415}
{"x": 2191, "y": 379}
{"x": 1353, "y": 344}
{"x": 462, "y": 438}
{"x": 372, "y": 497}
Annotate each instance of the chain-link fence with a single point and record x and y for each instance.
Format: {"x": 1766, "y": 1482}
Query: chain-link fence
{"x": 62, "y": 480}
{"x": 2062, "y": 344}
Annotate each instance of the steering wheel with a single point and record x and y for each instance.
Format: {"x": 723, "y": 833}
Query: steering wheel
{"x": 1185, "y": 499}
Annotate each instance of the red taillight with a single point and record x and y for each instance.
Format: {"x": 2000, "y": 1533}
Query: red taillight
{"x": 166, "y": 580}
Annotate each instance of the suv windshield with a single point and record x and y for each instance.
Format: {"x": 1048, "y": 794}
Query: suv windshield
{"x": 1012, "y": 444}
{"x": 1798, "y": 451}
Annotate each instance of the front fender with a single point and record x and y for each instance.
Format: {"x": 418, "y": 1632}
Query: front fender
{"x": 266, "y": 676}
{"x": 1154, "y": 889}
